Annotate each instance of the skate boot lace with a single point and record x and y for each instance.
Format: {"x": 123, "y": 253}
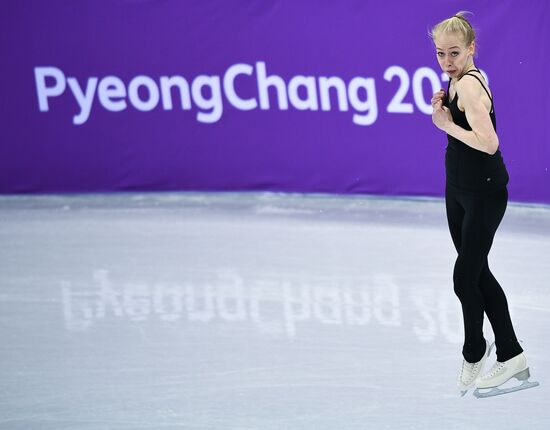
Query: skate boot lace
{"x": 472, "y": 370}
{"x": 495, "y": 370}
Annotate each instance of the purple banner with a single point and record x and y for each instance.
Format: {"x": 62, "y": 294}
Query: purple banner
{"x": 302, "y": 96}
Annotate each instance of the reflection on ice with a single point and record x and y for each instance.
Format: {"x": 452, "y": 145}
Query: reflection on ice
{"x": 273, "y": 307}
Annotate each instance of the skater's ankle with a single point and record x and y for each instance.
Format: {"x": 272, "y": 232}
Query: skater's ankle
{"x": 509, "y": 356}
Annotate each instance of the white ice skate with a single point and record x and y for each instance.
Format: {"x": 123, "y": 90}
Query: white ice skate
{"x": 492, "y": 383}
{"x": 470, "y": 371}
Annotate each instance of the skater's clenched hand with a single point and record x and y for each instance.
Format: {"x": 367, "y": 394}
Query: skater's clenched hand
{"x": 441, "y": 116}
{"x": 438, "y": 96}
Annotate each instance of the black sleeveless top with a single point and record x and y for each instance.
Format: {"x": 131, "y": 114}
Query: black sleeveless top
{"x": 468, "y": 168}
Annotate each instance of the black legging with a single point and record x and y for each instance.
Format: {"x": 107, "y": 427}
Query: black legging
{"x": 473, "y": 221}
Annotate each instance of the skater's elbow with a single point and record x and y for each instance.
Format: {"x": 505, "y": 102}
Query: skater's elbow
{"x": 492, "y": 145}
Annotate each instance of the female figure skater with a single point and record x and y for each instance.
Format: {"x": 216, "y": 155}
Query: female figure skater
{"x": 476, "y": 197}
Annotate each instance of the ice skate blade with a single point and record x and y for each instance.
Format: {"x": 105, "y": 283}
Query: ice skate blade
{"x": 481, "y": 393}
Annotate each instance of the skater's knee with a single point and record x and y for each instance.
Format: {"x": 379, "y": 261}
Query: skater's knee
{"x": 466, "y": 276}
{"x": 460, "y": 290}
{"x": 464, "y": 287}
{"x": 460, "y": 281}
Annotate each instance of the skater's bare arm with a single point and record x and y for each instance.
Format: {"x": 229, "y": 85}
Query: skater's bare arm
{"x": 483, "y": 136}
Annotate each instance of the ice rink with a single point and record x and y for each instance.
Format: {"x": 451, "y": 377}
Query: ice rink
{"x": 253, "y": 311}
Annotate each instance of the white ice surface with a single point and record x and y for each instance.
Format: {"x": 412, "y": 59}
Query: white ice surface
{"x": 253, "y": 311}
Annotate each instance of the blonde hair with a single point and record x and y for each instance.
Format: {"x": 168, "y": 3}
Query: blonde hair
{"x": 455, "y": 24}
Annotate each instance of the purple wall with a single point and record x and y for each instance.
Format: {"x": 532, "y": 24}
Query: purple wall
{"x": 86, "y": 104}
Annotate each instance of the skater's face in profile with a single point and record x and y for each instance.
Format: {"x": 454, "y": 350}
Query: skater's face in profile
{"x": 453, "y": 55}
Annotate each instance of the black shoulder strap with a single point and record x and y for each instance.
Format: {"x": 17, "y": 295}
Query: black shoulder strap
{"x": 481, "y": 82}
{"x": 482, "y": 85}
